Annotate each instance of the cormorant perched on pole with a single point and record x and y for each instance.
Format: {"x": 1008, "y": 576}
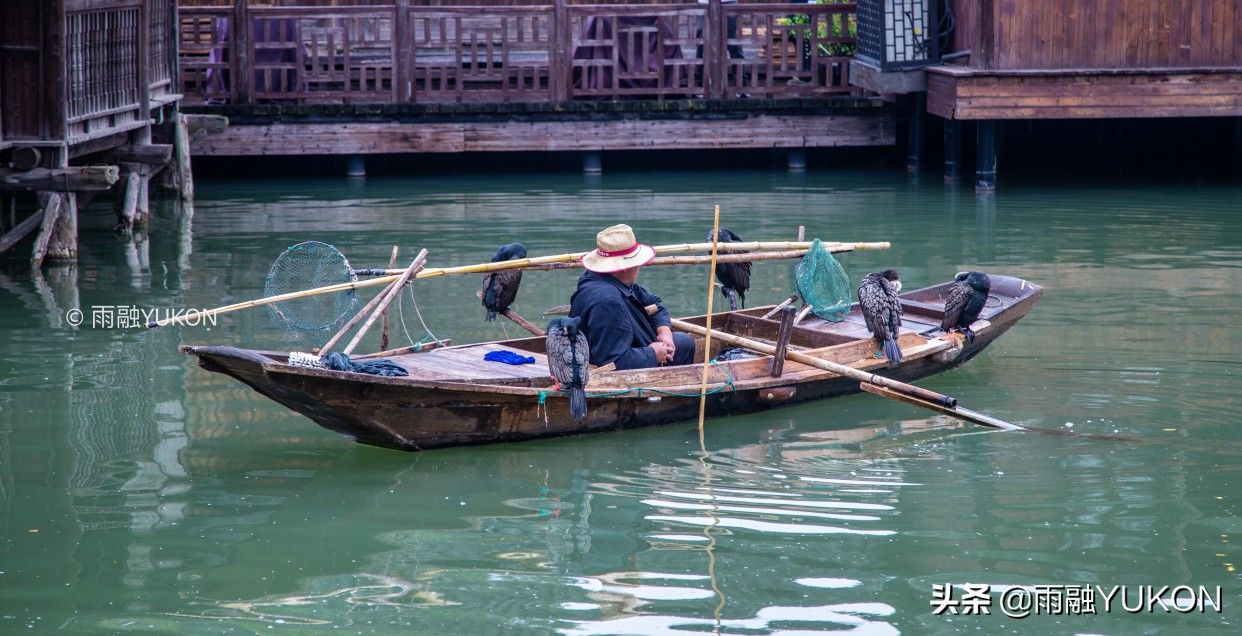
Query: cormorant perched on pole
{"x": 967, "y": 296}
{"x": 881, "y": 310}
{"x": 734, "y": 277}
{"x": 500, "y": 288}
{"x": 569, "y": 359}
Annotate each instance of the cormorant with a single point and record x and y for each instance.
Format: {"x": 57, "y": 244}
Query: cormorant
{"x": 881, "y": 310}
{"x": 500, "y": 288}
{"x": 569, "y": 361}
{"x": 967, "y": 296}
{"x": 734, "y": 277}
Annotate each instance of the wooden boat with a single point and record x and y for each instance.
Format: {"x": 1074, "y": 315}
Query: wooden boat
{"x": 453, "y": 397}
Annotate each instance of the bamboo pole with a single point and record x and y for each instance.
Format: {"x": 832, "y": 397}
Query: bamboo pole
{"x": 692, "y": 260}
{"x": 483, "y": 268}
{"x": 392, "y": 262}
{"x": 707, "y": 335}
{"x": 572, "y": 260}
{"x": 917, "y": 395}
{"x": 419, "y": 262}
{"x": 362, "y": 313}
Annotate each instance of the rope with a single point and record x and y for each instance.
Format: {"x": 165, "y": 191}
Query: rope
{"x": 638, "y": 390}
{"x": 418, "y": 346}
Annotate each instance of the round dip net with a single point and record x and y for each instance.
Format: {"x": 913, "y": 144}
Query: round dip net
{"x": 823, "y": 283}
{"x": 306, "y": 266}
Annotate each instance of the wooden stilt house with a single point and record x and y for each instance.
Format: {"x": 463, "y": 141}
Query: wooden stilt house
{"x": 83, "y": 84}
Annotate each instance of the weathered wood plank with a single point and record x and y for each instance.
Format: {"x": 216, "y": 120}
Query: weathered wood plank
{"x": 1068, "y": 95}
{"x": 761, "y": 131}
{"x": 60, "y": 179}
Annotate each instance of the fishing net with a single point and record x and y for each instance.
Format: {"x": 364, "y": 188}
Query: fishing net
{"x": 305, "y": 266}
{"x": 823, "y": 283}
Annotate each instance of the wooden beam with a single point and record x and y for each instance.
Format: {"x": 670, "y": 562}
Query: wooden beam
{"x": 70, "y": 179}
{"x": 20, "y": 231}
{"x": 206, "y": 124}
{"x": 149, "y": 154}
{"x": 759, "y": 131}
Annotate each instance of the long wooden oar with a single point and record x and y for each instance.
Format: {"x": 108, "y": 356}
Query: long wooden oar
{"x": 482, "y": 268}
{"x": 909, "y": 393}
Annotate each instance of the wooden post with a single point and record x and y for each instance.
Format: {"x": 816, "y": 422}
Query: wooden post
{"x": 243, "y": 30}
{"x": 715, "y": 46}
{"x": 185, "y": 175}
{"x": 51, "y": 204}
{"x": 593, "y": 162}
{"x": 985, "y": 155}
{"x": 54, "y": 72}
{"x": 129, "y": 204}
{"x": 58, "y": 238}
{"x": 392, "y": 262}
{"x": 952, "y": 150}
{"x": 782, "y": 341}
{"x": 561, "y": 53}
{"x": 402, "y": 50}
{"x": 916, "y": 120}
{"x": 795, "y": 160}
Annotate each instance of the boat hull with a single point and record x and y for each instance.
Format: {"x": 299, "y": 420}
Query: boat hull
{"x": 417, "y": 415}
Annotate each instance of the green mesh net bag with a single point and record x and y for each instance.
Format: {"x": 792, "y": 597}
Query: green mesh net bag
{"x": 823, "y": 283}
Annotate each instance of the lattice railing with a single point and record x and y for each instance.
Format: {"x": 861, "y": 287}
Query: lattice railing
{"x": 476, "y": 54}
{"x": 160, "y": 54}
{"x": 776, "y": 50}
{"x": 205, "y": 53}
{"x": 521, "y": 53}
{"x": 637, "y": 50}
{"x": 101, "y": 70}
{"x": 343, "y": 54}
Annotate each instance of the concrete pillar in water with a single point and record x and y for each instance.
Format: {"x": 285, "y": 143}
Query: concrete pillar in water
{"x": 593, "y": 162}
{"x": 355, "y": 166}
{"x": 796, "y": 160}
{"x": 914, "y": 146}
{"x": 985, "y": 156}
{"x": 952, "y": 151}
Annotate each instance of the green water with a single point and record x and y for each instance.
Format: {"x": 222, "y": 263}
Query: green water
{"x": 140, "y": 494}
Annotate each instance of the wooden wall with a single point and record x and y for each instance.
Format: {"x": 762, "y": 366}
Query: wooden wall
{"x": 1134, "y": 34}
{"x": 20, "y": 53}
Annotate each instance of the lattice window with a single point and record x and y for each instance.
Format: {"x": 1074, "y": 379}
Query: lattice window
{"x": 102, "y": 66}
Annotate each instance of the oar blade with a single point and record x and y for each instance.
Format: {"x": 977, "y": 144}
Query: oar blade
{"x": 959, "y": 412}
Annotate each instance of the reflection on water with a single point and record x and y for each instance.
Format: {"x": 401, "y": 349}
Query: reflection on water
{"x": 139, "y": 493}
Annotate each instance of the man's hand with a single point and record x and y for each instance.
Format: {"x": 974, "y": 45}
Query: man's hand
{"x": 665, "y": 335}
{"x": 663, "y": 352}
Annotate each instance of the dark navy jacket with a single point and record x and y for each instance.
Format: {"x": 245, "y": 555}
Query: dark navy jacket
{"x": 617, "y": 326}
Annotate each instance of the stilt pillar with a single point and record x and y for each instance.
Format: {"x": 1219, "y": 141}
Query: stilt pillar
{"x": 593, "y": 162}
{"x": 355, "y": 166}
{"x": 917, "y": 117}
{"x": 796, "y": 160}
{"x": 985, "y": 156}
{"x": 952, "y": 151}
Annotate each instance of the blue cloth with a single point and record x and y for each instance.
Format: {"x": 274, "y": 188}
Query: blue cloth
{"x": 618, "y": 329}
{"x": 508, "y": 357}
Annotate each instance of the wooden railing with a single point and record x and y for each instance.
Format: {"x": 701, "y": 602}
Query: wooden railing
{"x": 553, "y": 52}
{"x": 118, "y": 57}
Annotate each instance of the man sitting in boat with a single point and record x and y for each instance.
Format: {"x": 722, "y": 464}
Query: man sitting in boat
{"x": 613, "y": 307}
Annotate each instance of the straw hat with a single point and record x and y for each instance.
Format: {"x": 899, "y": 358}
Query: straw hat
{"x": 617, "y": 249}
